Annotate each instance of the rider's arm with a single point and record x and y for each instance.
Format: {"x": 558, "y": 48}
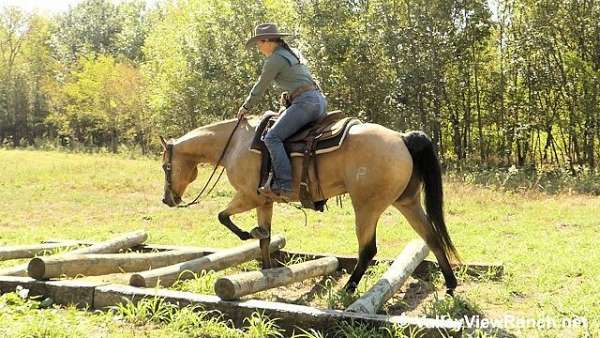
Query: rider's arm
{"x": 271, "y": 67}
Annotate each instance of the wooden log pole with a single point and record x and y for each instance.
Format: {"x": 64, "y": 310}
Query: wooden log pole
{"x": 236, "y": 286}
{"x": 76, "y": 292}
{"x": 100, "y": 296}
{"x": 492, "y": 270}
{"x": 113, "y": 245}
{"x": 104, "y": 264}
{"x": 289, "y": 316}
{"x": 220, "y": 260}
{"x": 30, "y": 251}
{"x": 116, "y": 244}
{"x": 391, "y": 281}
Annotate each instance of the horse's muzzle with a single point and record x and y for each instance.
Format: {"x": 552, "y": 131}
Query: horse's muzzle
{"x": 171, "y": 201}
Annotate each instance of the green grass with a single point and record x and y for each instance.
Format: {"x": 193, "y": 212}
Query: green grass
{"x": 549, "y": 243}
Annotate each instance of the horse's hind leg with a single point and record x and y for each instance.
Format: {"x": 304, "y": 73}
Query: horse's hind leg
{"x": 366, "y": 224}
{"x": 416, "y": 216}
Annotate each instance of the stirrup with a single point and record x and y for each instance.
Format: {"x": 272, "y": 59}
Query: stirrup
{"x": 268, "y": 192}
{"x": 266, "y": 188}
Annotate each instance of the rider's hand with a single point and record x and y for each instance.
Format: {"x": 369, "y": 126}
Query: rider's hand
{"x": 242, "y": 112}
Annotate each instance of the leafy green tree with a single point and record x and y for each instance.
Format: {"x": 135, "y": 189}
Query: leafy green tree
{"x": 102, "y": 27}
{"x": 25, "y": 67}
{"x": 197, "y": 69}
{"x": 102, "y": 104}
{"x": 504, "y": 82}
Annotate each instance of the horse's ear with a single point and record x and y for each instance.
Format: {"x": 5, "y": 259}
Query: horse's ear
{"x": 163, "y": 142}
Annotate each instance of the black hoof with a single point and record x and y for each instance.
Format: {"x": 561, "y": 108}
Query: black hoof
{"x": 244, "y": 236}
{"x": 266, "y": 266}
{"x": 259, "y": 233}
{"x": 350, "y": 287}
{"x": 450, "y": 292}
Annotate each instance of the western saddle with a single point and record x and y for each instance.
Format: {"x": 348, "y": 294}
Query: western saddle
{"x": 322, "y": 136}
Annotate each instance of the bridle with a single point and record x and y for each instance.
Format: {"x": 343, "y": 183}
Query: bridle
{"x": 168, "y": 168}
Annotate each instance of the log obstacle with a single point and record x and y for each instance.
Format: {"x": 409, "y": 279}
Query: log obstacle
{"x": 236, "y": 286}
{"x": 220, "y": 260}
{"x": 391, "y": 281}
{"x": 110, "y": 246}
{"x": 104, "y": 264}
{"x": 100, "y": 296}
{"x": 29, "y": 251}
{"x": 492, "y": 270}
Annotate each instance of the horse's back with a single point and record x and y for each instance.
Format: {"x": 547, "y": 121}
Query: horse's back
{"x": 377, "y": 140}
{"x": 372, "y": 160}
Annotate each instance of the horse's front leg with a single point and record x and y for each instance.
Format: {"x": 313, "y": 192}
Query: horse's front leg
{"x": 238, "y": 204}
{"x": 264, "y": 214}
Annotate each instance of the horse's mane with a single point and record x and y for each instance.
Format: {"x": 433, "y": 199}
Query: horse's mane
{"x": 252, "y": 121}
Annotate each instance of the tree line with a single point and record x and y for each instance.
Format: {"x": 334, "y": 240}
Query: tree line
{"x": 493, "y": 82}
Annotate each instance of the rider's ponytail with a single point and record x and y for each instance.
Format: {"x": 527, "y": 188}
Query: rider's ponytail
{"x": 285, "y": 46}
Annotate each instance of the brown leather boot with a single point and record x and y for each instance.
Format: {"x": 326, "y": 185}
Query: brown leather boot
{"x": 275, "y": 195}
{"x": 267, "y": 192}
{"x": 285, "y": 195}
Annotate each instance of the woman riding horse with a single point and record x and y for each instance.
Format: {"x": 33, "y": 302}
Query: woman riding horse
{"x": 305, "y": 102}
{"x": 376, "y": 166}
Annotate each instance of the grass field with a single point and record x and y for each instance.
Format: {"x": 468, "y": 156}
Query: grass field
{"x": 548, "y": 243}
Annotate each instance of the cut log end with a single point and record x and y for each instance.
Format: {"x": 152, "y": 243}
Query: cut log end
{"x": 225, "y": 289}
{"x": 36, "y": 268}
{"x": 137, "y": 280}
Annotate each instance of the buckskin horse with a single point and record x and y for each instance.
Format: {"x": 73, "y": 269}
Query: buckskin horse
{"x": 376, "y": 166}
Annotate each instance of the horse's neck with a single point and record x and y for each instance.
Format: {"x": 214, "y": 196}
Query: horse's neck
{"x": 205, "y": 144}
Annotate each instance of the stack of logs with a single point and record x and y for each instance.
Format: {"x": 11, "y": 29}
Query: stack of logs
{"x": 165, "y": 268}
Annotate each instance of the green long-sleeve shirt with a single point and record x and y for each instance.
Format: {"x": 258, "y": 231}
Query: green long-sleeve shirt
{"x": 283, "y": 68}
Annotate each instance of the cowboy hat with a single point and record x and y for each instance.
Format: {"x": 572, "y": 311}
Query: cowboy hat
{"x": 264, "y": 31}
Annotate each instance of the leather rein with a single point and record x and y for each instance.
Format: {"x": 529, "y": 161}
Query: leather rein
{"x": 168, "y": 167}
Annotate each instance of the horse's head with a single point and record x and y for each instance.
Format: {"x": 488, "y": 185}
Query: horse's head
{"x": 180, "y": 171}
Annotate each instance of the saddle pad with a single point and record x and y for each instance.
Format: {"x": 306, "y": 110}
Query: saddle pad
{"x": 331, "y": 139}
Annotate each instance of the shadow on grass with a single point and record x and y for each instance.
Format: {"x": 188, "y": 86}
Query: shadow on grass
{"x": 417, "y": 292}
{"x": 326, "y": 290}
{"x": 307, "y": 297}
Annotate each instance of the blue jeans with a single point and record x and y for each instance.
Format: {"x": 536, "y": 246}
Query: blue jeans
{"x": 308, "y": 107}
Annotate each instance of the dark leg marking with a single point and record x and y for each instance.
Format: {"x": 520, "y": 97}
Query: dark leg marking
{"x": 364, "y": 258}
{"x": 225, "y": 219}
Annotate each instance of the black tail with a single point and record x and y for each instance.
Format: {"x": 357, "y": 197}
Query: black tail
{"x": 427, "y": 166}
